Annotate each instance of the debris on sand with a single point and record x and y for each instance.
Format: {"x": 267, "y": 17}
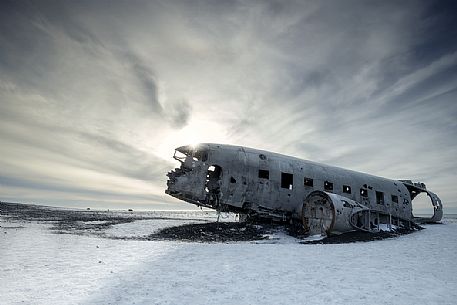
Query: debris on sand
{"x": 358, "y": 236}
{"x": 213, "y": 232}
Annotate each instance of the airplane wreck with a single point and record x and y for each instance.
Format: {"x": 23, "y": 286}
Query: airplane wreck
{"x": 269, "y": 186}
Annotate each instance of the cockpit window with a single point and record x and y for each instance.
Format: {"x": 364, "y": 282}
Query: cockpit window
{"x": 201, "y": 155}
{"x": 179, "y": 156}
{"x": 183, "y": 152}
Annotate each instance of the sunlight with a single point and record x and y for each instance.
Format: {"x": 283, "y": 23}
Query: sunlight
{"x": 197, "y": 131}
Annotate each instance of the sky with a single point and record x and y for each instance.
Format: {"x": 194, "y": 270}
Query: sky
{"x": 95, "y": 95}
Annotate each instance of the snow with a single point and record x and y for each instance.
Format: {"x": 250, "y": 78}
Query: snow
{"x": 386, "y": 227}
{"x": 143, "y": 227}
{"x": 38, "y": 266}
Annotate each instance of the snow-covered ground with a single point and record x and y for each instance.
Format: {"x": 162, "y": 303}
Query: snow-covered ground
{"x": 141, "y": 228}
{"x": 38, "y": 266}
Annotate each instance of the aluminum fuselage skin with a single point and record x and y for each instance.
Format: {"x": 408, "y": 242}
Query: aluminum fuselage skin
{"x": 253, "y": 181}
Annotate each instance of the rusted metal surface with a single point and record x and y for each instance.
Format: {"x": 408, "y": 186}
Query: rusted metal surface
{"x": 271, "y": 186}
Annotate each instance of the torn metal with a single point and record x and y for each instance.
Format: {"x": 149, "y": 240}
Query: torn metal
{"x": 269, "y": 186}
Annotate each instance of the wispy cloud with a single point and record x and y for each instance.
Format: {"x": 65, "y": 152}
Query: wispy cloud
{"x": 93, "y": 98}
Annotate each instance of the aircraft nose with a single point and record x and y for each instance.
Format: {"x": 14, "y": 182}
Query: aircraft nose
{"x": 184, "y": 149}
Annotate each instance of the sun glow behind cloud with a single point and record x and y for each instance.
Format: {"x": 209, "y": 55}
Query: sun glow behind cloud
{"x": 198, "y": 130}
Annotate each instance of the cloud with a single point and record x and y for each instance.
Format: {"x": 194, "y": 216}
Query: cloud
{"x": 146, "y": 80}
{"x": 94, "y": 97}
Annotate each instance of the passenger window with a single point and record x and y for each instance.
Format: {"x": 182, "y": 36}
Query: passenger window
{"x": 394, "y": 198}
{"x": 287, "y": 181}
{"x": 328, "y": 186}
{"x": 346, "y": 189}
{"x": 232, "y": 180}
{"x": 363, "y": 192}
{"x": 264, "y": 174}
{"x": 379, "y": 197}
{"x": 308, "y": 182}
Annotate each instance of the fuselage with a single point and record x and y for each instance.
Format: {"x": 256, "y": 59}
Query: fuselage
{"x": 272, "y": 185}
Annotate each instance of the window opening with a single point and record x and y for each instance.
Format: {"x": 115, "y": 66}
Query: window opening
{"x": 201, "y": 155}
{"x": 264, "y": 174}
{"x": 232, "y": 180}
{"x": 179, "y": 155}
{"x": 394, "y": 198}
{"x": 328, "y": 186}
{"x": 379, "y": 197}
{"x": 308, "y": 182}
{"x": 287, "y": 180}
{"x": 346, "y": 189}
{"x": 363, "y": 192}
{"x": 213, "y": 184}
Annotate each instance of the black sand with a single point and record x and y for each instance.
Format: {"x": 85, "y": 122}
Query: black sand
{"x": 68, "y": 221}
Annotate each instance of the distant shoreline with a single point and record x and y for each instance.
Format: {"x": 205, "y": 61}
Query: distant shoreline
{"x": 109, "y": 209}
{"x": 446, "y": 215}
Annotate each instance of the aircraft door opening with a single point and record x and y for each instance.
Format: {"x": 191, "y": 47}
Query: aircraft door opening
{"x": 213, "y": 185}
